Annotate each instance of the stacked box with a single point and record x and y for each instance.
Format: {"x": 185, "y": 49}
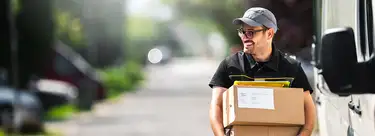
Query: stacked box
{"x": 263, "y": 111}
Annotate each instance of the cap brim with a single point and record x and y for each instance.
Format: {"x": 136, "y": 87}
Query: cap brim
{"x": 247, "y": 21}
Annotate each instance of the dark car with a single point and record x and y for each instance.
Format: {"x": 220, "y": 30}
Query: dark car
{"x": 67, "y": 65}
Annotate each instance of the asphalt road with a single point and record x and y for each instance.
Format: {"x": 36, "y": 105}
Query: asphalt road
{"x": 174, "y": 101}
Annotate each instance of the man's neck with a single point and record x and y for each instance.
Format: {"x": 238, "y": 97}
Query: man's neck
{"x": 263, "y": 56}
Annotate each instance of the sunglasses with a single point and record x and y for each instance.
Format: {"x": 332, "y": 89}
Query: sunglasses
{"x": 250, "y": 33}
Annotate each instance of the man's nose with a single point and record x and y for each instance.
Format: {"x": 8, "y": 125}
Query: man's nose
{"x": 245, "y": 37}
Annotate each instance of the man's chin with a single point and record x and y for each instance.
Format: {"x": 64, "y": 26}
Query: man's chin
{"x": 248, "y": 51}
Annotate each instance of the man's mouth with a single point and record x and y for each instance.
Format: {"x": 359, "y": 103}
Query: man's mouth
{"x": 248, "y": 42}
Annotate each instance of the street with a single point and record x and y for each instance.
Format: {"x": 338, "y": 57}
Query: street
{"x": 174, "y": 101}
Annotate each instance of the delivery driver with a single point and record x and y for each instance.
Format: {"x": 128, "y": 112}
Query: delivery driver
{"x": 259, "y": 58}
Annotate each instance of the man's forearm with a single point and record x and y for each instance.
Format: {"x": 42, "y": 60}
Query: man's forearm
{"x": 310, "y": 116}
{"x": 216, "y": 120}
{"x": 216, "y": 111}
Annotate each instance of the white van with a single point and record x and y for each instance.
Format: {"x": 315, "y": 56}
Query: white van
{"x": 351, "y": 115}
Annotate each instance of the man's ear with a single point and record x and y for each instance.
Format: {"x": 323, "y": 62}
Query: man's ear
{"x": 270, "y": 33}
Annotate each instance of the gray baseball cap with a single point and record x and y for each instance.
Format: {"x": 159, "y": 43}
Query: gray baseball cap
{"x": 258, "y": 16}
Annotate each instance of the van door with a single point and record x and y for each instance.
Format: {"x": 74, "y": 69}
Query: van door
{"x": 362, "y": 115}
{"x": 333, "y": 117}
{"x": 362, "y": 108}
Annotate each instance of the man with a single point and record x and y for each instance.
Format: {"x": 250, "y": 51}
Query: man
{"x": 259, "y": 58}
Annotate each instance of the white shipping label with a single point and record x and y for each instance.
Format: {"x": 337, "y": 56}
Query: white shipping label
{"x": 259, "y": 98}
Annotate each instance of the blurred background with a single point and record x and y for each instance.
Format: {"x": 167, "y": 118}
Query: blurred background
{"x": 125, "y": 67}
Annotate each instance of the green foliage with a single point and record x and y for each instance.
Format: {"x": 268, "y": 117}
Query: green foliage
{"x": 69, "y": 29}
{"x": 75, "y": 32}
{"x": 121, "y": 79}
{"x": 139, "y": 27}
{"x": 61, "y": 22}
{"x": 61, "y": 112}
{"x": 15, "y": 6}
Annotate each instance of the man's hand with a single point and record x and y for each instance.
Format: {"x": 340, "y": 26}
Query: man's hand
{"x": 216, "y": 111}
{"x": 310, "y": 115}
{"x": 305, "y": 132}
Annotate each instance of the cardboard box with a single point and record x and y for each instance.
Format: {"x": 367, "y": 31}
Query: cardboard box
{"x": 263, "y": 106}
{"x": 263, "y": 131}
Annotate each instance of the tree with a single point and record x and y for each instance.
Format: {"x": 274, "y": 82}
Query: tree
{"x": 220, "y": 14}
{"x": 294, "y": 19}
{"x": 94, "y": 28}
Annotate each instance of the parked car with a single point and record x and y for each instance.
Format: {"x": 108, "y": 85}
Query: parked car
{"x": 67, "y": 65}
{"x": 54, "y": 93}
{"x": 23, "y": 112}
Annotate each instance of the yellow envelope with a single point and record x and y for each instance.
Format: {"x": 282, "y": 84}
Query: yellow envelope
{"x": 266, "y": 82}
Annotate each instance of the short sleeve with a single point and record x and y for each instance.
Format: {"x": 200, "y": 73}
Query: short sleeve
{"x": 301, "y": 81}
{"x": 221, "y": 76}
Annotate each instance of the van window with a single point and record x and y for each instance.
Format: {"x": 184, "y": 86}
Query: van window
{"x": 371, "y": 21}
{"x": 362, "y": 12}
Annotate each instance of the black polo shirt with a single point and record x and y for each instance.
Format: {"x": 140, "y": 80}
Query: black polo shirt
{"x": 279, "y": 65}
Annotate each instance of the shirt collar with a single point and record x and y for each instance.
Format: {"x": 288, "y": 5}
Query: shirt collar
{"x": 272, "y": 63}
